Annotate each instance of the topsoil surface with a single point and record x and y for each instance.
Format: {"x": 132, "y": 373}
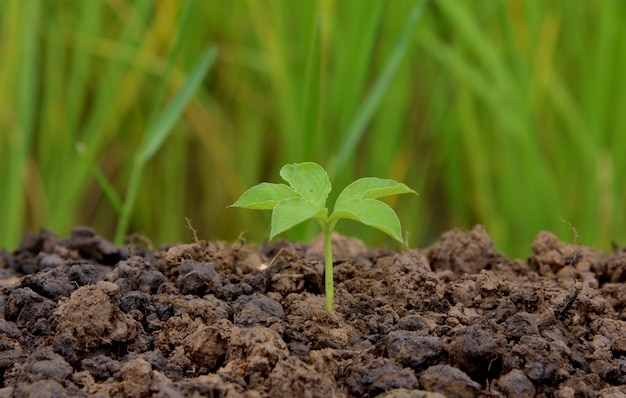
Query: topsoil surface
{"x": 82, "y": 317}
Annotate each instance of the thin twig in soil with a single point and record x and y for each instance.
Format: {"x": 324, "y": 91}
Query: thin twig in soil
{"x": 195, "y": 231}
{"x": 133, "y": 238}
{"x": 577, "y": 288}
{"x": 268, "y": 265}
{"x": 574, "y": 230}
{"x": 573, "y": 260}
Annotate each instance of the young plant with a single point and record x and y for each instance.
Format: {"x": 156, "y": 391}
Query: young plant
{"x": 305, "y": 198}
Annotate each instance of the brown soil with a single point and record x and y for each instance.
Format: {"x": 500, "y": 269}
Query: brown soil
{"x": 81, "y": 317}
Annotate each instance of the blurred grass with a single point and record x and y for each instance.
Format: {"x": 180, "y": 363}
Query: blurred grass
{"x": 504, "y": 113}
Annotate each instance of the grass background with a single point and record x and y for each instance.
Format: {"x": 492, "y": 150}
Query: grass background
{"x": 129, "y": 116}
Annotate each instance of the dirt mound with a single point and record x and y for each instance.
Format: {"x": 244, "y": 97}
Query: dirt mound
{"x": 81, "y": 317}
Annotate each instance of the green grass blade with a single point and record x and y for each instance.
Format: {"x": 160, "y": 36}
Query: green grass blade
{"x": 162, "y": 126}
{"x": 158, "y": 131}
{"x": 357, "y": 52}
{"x": 181, "y": 33}
{"x": 270, "y": 24}
{"x": 366, "y": 111}
{"x": 99, "y": 128}
{"x": 20, "y": 138}
{"x": 311, "y": 100}
{"x": 108, "y": 189}
{"x": 88, "y": 25}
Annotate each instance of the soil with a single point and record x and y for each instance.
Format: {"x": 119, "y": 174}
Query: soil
{"x": 82, "y": 317}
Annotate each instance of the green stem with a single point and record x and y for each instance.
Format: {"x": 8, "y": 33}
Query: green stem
{"x": 328, "y": 270}
{"x": 131, "y": 196}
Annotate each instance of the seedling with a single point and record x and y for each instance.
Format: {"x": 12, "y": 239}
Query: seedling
{"x": 305, "y": 198}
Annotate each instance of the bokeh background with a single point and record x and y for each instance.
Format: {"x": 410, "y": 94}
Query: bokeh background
{"x": 130, "y": 116}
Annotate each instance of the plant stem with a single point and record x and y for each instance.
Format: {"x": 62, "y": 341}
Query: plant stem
{"x": 328, "y": 270}
{"x": 129, "y": 203}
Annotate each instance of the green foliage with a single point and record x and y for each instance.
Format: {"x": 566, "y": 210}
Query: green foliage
{"x": 156, "y": 133}
{"x": 504, "y": 113}
{"x": 305, "y": 198}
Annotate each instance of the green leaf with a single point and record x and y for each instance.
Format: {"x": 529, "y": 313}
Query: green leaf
{"x": 156, "y": 133}
{"x": 354, "y": 133}
{"x": 163, "y": 125}
{"x": 309, "y": 180}
{"x": 370, "y": 212}
{"x": 371, "y": 188}
{"x": 291, "y": 212}
{"x": 264, "y": 196}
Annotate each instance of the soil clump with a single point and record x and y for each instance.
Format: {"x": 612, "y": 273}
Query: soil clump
{"x": 82, "y": 317}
